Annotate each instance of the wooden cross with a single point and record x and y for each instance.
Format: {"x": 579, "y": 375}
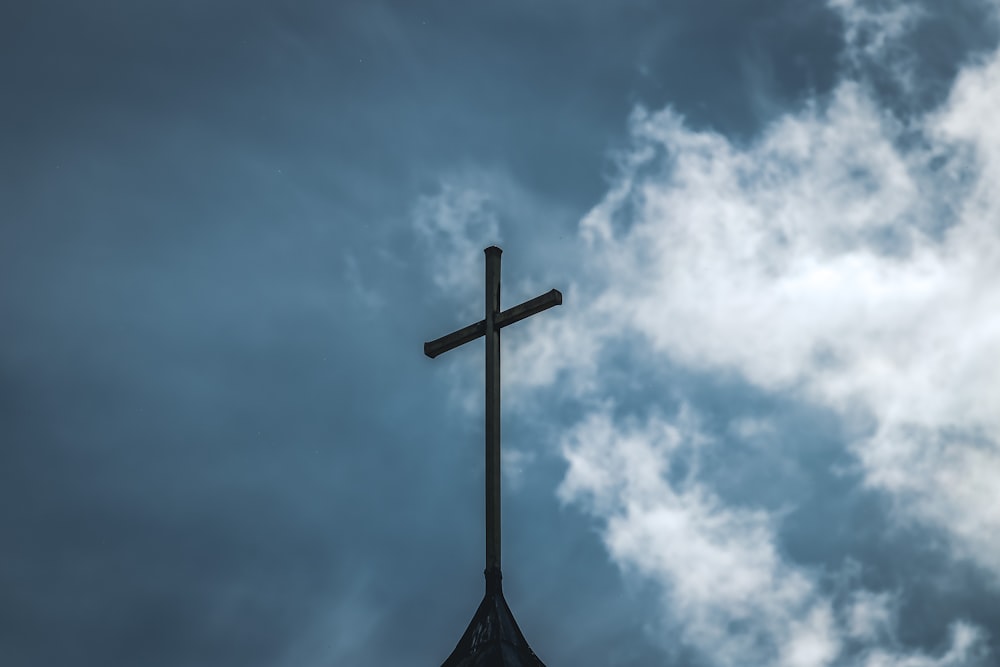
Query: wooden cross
{"x": 490, "y": 327}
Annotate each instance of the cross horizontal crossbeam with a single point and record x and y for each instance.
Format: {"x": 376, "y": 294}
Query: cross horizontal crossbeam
{"x": 505, "y": 318}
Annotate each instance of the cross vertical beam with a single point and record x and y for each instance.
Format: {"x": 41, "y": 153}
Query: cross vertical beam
{"x": 492, "y": 410}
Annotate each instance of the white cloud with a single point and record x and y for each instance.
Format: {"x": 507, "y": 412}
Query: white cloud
{"x": 870, "y": 616}
{"x": 965, "y": 649}
{"x": 458, "y": 222}
{"x": 848, "y": 256}
{"x": 726, "y": 586}
{"x": 843, "y": 255}
{"x": 873, "y": 32}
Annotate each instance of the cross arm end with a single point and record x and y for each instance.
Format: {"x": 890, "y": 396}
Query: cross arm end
{"x": 528, "y": 308}
{"x": 454, "y": 339}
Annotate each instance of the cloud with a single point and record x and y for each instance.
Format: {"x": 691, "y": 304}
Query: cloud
{"x": 874, "y": 35}
{"x": 456, "y": 222}
{"x": 727, "y": 589}
{"x": 844, "y": 255}
{"x": 719, "y": 566}
{"x": 848, "y": 255}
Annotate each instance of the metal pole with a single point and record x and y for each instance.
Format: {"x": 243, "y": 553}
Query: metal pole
{"x": 492, "y": 411}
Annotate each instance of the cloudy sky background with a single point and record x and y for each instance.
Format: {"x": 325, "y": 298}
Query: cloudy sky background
{"x": 763, "y": 429}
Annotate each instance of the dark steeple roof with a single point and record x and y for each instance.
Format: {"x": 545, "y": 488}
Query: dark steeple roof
{"x": 493, "y": 638}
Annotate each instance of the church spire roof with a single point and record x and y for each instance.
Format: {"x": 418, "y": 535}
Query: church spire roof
{"x": 493, "y": 638}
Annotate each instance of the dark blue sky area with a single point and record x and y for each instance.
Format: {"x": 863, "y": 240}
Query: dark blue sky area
{"x": 220, "y": 443}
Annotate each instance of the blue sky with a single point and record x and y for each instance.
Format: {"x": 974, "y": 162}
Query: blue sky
{"x": 762, "y": 428}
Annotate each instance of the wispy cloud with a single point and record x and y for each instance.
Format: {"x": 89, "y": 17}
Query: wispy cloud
{"x": 726, "y": 587}
{"x": 457, "y": 222}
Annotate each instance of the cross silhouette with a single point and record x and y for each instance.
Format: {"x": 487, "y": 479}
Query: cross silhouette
{"x": 490, "y": 328}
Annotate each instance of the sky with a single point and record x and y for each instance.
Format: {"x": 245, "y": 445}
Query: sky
{"x": 762, "y": 429}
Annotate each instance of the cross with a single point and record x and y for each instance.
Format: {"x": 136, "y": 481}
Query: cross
{"x": 490, "y": 328}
